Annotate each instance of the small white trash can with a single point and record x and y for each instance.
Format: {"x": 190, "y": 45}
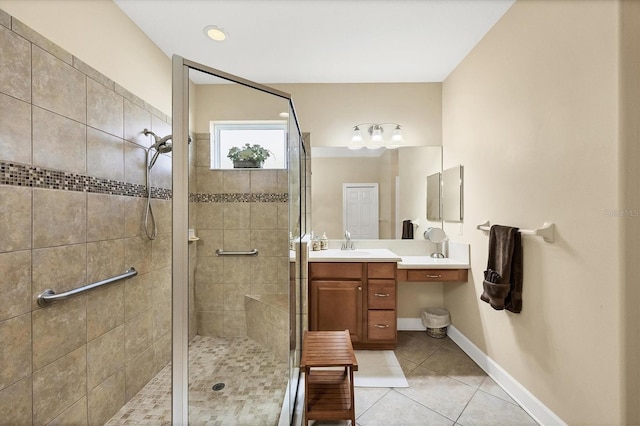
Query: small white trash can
{"x": 436, "y": 321}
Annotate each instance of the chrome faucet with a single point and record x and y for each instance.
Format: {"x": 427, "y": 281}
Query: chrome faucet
{"x": 347, "y": 244}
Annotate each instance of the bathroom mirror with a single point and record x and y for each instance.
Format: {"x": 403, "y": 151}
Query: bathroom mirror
{"x": 401, "y": 175}
{"x": 452, "y": 190}
{"x": 433, "y": 197}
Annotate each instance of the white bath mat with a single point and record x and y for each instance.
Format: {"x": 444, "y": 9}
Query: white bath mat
{"x": 379, "y": 369}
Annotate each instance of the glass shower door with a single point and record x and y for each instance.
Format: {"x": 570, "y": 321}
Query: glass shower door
{"x": 231, "y": 284}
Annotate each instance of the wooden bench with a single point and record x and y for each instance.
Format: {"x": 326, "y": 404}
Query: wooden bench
{"x": 328, "y": 394}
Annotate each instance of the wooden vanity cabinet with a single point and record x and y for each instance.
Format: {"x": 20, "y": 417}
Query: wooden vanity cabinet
{"x": 355, "y": 296}
{"x": 432, "y": 275}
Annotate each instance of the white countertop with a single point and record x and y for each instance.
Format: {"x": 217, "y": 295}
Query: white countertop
{"x": 428, "y": 262}
{"x": 358, "y": 255}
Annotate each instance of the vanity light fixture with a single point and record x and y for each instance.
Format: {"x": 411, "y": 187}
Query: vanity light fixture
{"x": 376, "y": 139}
{"x": 215, "y": 33}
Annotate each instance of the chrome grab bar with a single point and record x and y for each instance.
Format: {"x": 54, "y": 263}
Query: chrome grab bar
{"x": 253, "y": 252}
{"x": 49, "y": 296}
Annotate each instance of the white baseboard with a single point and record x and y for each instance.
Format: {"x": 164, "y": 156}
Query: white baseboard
{"x": 410, "y": 324}
{"x": 532, "y": 405}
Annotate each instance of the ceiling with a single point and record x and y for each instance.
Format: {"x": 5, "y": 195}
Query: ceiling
{"x": 321, "y": 41}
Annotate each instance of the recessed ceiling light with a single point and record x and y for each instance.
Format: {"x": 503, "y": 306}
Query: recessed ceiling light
{"x": 215, "y": 33}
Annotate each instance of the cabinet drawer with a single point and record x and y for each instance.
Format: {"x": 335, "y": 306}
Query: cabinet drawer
{"x": 338, "y": 270}
{"x": 436, "y": 275}
{"x": 381, "y": 325}
{"x": 381, "y": 270}
{"x": 381, "y": 294}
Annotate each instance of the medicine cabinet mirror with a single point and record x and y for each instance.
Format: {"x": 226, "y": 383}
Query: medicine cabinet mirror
{"x": 433, "y": 197}
{"x": 452, "y": 191}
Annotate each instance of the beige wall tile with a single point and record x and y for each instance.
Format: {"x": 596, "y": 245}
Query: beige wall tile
{"x": 105, "y": 309}
{"x": 105, "y": 217}
{"x": 159, "y": 125}
{"x": 58, "y": 330}
{"x": 237, "y": 215}
{"x": 58, "y": 386}
{"x": 15, "y": 132}
{"x": 237, "y": 240}
{"x": 161, "y": 319}
{"x": 209, "y": 242}
{"x": 137, "y": 252}
{"x": 105, "y": 259}
{"x": 134, "y": 208}
{"x": 105, "y": 356}
{"x": 58, "y": 87}
{"x": 203, "y": 150}
{"x": 235, "y": 324}
{"x": 105, "y": 109}
{"x": 5, "y": 19}
{"x": 161, "y": 251}
{"x": 234, "y": 296}
{"x": 265, "y": 270}
{"x": 138, "y": 292}
{"x": 15, "y": 351}
{"x": 135, "y": 164}
{"x": 264, "y": 181}
{"x": 106, "y": 399}
{"x": 59, "y": 142}
{"x": 136, "y": 119}
{"x": 162, "y": 352}
{"x": 264, "y": 216}
{"x": 15, "y": 73}
{"x": 283, "y": 182}
{"x": 40, "y": 41}
{"x": 211, "y": 323}
{"x": 238, "y": 269}
{"x": 270, "y": 243}
{"x": 210, "y": 297}
{"x": 138, "y": 335}
{"x": 162, "y": 214}
{"x": 209, "y": 181}
{"x": 15, "y": 285}
{"x": 105, "y": 155}
{"x": 138, "y": 372}
{"x": 209, "y": 216}
{"x": 59, "y": 217}
{"x": 209, "y": 270}
{"x": 283, "y": 216}
{"x": 74, "y": 415}
{"x": 236, "y": 181}
{"x": 15, "y": 218}
{"x": 58, "y": 268}
{"x": 16, "y": 403}
{"x": 161, "y": 172}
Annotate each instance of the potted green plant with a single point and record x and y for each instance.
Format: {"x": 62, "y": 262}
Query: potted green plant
{"x": 248, "y": 156}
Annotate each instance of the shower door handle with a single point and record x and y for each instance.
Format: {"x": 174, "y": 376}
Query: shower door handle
{"x": 253, "y": 252}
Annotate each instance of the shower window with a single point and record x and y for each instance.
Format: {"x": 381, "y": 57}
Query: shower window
{"x": 271, "y": 135}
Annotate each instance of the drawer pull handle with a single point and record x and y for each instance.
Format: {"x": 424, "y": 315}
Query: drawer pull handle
{"x": 360, "y": 288}
{"x": 381, "y": 325}
{"x": 434, "y": 276}
{"x": 382, "y": 294}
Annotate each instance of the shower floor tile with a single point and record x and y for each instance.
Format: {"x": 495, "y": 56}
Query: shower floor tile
{"x": 254, "y": 387}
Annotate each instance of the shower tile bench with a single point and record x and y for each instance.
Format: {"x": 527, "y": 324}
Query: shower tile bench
{"x": 328, "y": 393}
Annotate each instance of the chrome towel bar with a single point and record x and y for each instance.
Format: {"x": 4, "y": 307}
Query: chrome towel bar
{"x": 253, "y": 252}
{"x": 49, "y": 296}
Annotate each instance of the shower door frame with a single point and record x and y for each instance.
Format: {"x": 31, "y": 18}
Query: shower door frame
{"x": 180, "y": 225}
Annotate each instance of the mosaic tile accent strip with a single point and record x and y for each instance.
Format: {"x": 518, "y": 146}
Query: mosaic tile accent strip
{"x": 239, "y": 198}
{"x": 38, "y": 177}
{"x": 255, "y": 384}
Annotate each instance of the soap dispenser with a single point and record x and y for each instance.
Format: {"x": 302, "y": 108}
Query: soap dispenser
{"x": 324, "y": 242}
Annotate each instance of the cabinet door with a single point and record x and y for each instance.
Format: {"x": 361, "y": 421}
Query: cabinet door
{"x": 336, "y": 305}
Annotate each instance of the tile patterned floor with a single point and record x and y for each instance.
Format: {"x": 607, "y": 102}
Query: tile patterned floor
{"x": 255, "y": 383}
{"x": 445, "y": 388}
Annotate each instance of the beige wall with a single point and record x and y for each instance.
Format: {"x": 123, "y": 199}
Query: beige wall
{"x": 101, "y": 35}
{"x": 532, "y": 114}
